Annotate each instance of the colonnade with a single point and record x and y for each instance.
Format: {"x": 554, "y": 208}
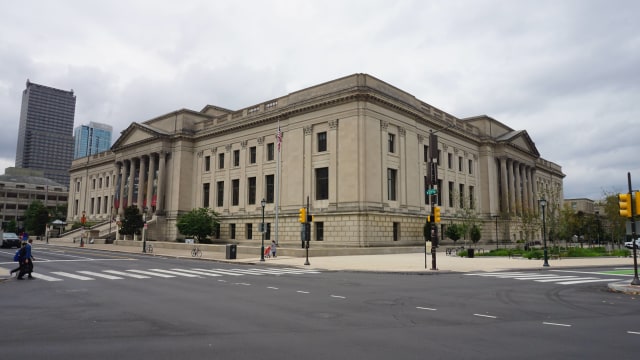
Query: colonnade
{"x": 518, "y": 193}
{"x": 148, "y": 173}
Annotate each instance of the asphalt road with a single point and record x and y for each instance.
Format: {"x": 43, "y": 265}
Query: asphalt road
{"x": 100, "y": 305}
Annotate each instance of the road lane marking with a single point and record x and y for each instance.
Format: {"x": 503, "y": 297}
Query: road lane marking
{"x": 174, "y": 273}
{"x": 633, "y": 332}
{"x": 205, "y": 273}
{"x": 425, "y": 308}
{"x": 487, "y": 316}
{"x": 151, "y": 273}
{"x": 272, "y": 287}
{"x": 302, "y": 292}
{"x": 73, "y": 276}
{"x": 101, "y": 275}
{"x": 556, "y": 324}
{"x": 122, "y": 273}
{"x": 338, "y": 297}
{"x": 45, "y": 277}
{"x": 585, "y": 281}
{"x": 243, "y": 284}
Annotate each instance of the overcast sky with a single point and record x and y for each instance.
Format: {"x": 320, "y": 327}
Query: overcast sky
{"x": 567, "y": 72}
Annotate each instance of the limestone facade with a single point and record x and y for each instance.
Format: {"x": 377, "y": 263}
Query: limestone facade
{"x": 355, "y": 148}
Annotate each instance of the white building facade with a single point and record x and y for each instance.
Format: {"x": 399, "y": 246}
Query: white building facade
{"x": 355, "y": 148}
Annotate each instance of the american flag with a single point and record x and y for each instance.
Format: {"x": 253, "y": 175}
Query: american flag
{"x": 279, "y": 137}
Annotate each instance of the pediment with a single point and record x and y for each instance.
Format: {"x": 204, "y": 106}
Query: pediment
{"x": 134, "y": 135}
{"x": 520, "y": 140}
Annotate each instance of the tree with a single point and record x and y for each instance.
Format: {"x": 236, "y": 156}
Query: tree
{"x": 475, "y": 233}
{"x": 36, "y": 218}
{"x": 11, "y": 226}
{"x": 198, "y": 223}
{"x": 454, "y": 232}
{"x": 132, "y": 222}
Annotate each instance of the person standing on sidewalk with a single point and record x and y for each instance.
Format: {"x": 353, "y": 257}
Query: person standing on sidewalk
{"x": 273, "y": 248}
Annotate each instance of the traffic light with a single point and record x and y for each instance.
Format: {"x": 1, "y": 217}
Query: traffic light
{"x": 637, "y": 200}
{"x": 302, "y": 215}
{"x": 624, "y": 202}
{"x": 428, "y": 218}
{"x": 436, "y": 214}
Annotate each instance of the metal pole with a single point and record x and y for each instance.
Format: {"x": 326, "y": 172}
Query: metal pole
{"x": 635, "y": 280}
{"x": 307, "y": 232}
{"x": 544, "y": 234}
{"x": 263, "y": 203}
{"x": 144, "y": 230}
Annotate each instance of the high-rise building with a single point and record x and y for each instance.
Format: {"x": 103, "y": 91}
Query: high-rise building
{"x": 91, "y": 139}
{"x": 45, "y": 136}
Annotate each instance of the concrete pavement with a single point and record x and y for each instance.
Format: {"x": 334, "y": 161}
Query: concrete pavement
{"x": 412, "y": 261}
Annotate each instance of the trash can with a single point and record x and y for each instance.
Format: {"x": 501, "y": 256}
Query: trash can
{"x": 231, "y": 251}
{"x": 470, "y": 253}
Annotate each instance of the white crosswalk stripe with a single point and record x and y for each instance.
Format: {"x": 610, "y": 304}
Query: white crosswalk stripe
{"x": 86, "y": 275}
{"x": 543, "y": 278}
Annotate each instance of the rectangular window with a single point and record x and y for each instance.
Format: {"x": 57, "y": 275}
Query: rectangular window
{"x": 391, "y": 184}
{"x": 220, "y": 199}
{"x": 425, "y": 153}
{"x": 319, "y": 231}
{"x": 450, "y": 193}
{"x": 99, "y": 205}
{"x": 472, "y": 201}
{"x": 396, "y": 231}
{"x": 216, "y": 231}
{"x": 269, "y": 188}
{"x": 235, "y": 192}
{"x": 322, "y": 183}
{"x": 205, "y": 195}
{"x": 93, "y": 186}
{"x": 236, "y": 158}
{"x": 267, "y": 232}
{"x": 91, "y": 208}
{"x": 270, "y": 153}
{"x": 220, "y": 161}
{"x": 207, "y": 163}
{"x": 249, "y": 231}
{"x": 460, "y": 163}
{"x": 100, "y": 183}
{"x": 449, "y": 160}
{"x": 322, "y": 141}
{"x": 461, "y": 187}
{"x": 470, "y": 167}
{"x": 232, "y": 231}
{"x": 106, "y": 182}
{"x": 392, "y": 143}
{"x": 251, "y": 188}
{"x": 252, "y": 155}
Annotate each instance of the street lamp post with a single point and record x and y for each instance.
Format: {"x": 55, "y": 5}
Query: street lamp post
{"x": 144, "y": 230}
{"x": 263, "y": 203}
{"x": 496, "y": 217}
{"x": 543, "y": 203}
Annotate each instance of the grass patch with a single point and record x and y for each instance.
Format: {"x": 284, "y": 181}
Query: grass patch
{"x": 562, "y": 252}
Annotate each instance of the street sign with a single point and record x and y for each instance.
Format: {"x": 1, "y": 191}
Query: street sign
{"x": 431, "y": 191}
{"x": 629, "y": 227}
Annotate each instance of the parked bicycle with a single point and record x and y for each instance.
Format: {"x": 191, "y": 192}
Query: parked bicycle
{"x": 196, "y": 252}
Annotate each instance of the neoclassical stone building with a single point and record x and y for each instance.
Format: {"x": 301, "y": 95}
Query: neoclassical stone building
{"x": 355, "y": 147}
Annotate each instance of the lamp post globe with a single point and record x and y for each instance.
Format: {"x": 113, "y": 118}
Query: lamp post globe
{"x": 263, "y": 203}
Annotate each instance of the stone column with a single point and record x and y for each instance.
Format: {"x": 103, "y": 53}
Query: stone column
{"x": 141, "y": 176}
{"x": 150, "y": 175}
{"x": 511, "y": 183}
{"x": 504, "y": 196}
{"x": 518, "y": 187}
{"x": 132, "y": 171}
{"x": 161, "y": 180}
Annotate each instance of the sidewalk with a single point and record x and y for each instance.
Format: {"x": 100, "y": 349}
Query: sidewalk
{"x": 392, "y": 263}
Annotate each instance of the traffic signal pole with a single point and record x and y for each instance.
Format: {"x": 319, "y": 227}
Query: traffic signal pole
{"x": 634, "y": 235}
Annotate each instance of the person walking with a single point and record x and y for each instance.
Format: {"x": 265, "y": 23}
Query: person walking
{"x": 273, "y": 248}
{"x": 27, "y": 267}
{"x": 19, "y": 257}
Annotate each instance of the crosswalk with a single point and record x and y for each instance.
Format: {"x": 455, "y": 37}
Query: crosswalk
{"x": 109, "y": 274}
{"x": 546, "y": 278}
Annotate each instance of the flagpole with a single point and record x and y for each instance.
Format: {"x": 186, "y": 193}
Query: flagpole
{"x": 279, "y": 141}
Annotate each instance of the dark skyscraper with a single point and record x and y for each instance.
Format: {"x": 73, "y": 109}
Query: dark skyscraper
{"x": 45, "y": 136}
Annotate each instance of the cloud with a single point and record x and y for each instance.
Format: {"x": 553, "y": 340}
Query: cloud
{"x": 564, "y": 71}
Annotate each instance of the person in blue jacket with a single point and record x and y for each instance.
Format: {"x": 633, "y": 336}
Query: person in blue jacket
{"x": 27, "y": 267}
{"x": 19, "y": 257}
